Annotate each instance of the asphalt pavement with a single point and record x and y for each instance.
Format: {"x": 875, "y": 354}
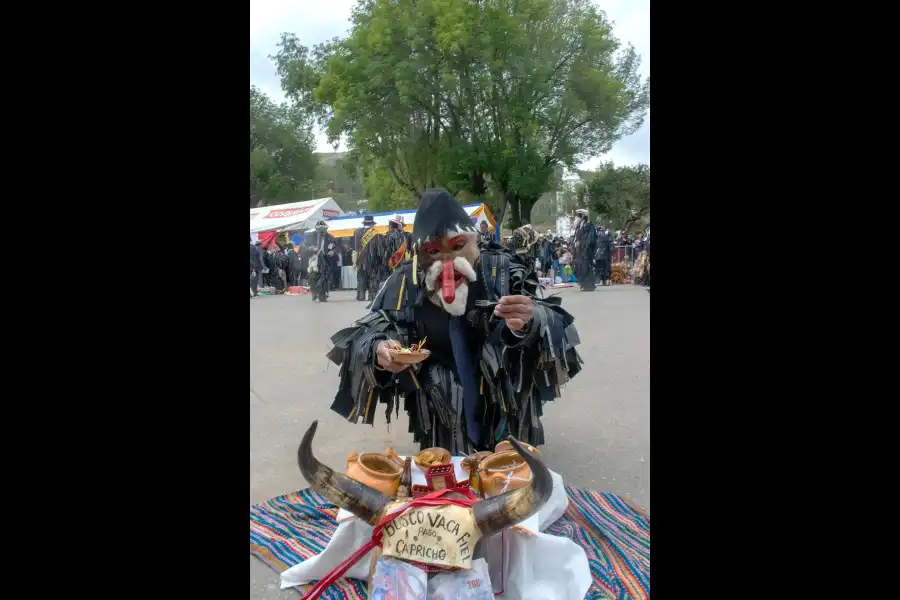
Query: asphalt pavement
{"x": 598, "y": 433}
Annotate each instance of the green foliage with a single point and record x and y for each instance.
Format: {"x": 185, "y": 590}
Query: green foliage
{"x": 282, "y": 165}
{"x": 620, "y": 195}
{"x": 485, "y": 97}
{"x": 339, "y": 177}
{"x": 385, "y": 194}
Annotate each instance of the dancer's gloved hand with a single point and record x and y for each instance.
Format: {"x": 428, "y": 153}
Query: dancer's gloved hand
{"x": 384, "y": 358}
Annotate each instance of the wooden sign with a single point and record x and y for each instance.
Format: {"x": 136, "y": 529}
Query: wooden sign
{"x": 433, "y": 535}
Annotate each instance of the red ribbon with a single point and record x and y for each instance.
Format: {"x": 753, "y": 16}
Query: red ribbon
{"x": 431, "y": 499}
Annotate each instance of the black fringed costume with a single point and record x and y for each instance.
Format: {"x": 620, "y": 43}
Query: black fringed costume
{"x": 585, "y": 248}
{"x": 399, "y": 246}
{"x": 516, "y": 373}
{"x": 522, "y": 241}
{"x": 319, "y": 246}
{"x": 371, "y": 261}
{"x": 603, "y": 257}
{"x": 368, "y": 271}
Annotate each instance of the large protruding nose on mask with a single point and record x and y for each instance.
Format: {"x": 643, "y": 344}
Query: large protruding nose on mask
{"x": 448, "y": 282}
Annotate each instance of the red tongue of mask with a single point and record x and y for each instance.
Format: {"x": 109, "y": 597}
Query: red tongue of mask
{"x": 448, "y": 283}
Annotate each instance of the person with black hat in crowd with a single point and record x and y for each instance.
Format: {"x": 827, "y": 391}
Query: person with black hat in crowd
{"x": 296, "y": 265}
{"x": 337, "y": 263}
{"x": 288, "y": 268}
{"x": 279, "y": 268}
{"x": 603, "y": 256}
{"x": 366, "y": 280}
{"x": 484, "y": 234}
{"x": 498, "y": 352}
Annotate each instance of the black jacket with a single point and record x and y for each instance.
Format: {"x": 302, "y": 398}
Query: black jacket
{"x": 296, "y": 261}
{"x": 604, "y": 247}
{"x": 255, "y": 262}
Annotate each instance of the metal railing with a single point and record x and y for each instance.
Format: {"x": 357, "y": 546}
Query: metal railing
{"x": 624, "y": 254}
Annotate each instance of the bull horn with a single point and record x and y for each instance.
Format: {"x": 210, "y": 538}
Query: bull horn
{"x": 340, "y": 490}
{"x": 511, "y": 508}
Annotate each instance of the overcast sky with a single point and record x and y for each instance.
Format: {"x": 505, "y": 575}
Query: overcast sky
{"x": 314, "y": 22}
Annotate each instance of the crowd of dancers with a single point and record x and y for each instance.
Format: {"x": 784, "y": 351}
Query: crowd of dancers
{"x": 375, "y": 254}
{"x": 591, "y": 252}
{"x": 315, "y": 262}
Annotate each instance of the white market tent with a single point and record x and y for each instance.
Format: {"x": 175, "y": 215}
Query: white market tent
{"x": 295, "y": 216}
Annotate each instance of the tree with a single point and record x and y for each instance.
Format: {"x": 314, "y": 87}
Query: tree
{"x": 472, "y": 95}
{"x": 385, "y": 194}
{"x": 338, "y": 176}
{"x": 282, "y": 165}
{"x": 620, "y": 195}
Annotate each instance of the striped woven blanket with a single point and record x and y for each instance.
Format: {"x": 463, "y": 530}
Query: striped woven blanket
{"x": 615, "y": 535}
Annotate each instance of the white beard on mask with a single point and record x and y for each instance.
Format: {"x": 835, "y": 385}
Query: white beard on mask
{"x": 457, "y": 308}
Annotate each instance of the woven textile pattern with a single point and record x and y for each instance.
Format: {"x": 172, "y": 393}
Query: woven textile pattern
{"x": 615, "y": 535}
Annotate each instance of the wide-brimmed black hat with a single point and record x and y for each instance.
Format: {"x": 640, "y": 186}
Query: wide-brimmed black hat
{"x": 368, "y": 220}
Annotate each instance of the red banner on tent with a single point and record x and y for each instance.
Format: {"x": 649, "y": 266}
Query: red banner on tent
{"x": 267, "y": 238}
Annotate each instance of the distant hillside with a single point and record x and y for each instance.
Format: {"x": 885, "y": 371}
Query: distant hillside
{"x": 330, "y": 158}
{"x": 333, "y": 179}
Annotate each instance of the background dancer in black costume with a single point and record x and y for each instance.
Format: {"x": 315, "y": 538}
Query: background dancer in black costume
{"x": 320, "y": 246}
{"x": 585, "y": 247}
{"x": 366, "y": 278}
{"x": 603, "y": 256}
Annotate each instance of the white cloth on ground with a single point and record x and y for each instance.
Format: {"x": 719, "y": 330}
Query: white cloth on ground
{"x": 538, "y": 566}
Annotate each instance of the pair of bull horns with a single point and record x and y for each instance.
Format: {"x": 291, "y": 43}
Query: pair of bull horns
{"x": 492, "y": 515}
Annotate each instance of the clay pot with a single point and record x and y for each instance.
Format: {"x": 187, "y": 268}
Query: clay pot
{"x": 502, "y": 472}
{"x": 470, "y": 464}
{"x": 475, "y": 460}
{"x": 376, "y": 470}
{"x": 391, "y": 454}
{"x": 442, "y": 454}
{"x": 505, "y": 446}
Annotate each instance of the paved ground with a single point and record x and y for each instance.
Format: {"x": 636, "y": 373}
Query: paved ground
{"x": 598, "y": 433}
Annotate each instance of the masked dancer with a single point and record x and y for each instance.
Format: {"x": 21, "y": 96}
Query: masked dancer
{"x": 372, "y": 260}
{"x": 366, "y": 278}
{"x": 498, "y": 352}
{"x": 320, "y": 247}
{"x": 399, "y": 244}
{"x": 521, "y": 242}
{"x": 585, "y": 248}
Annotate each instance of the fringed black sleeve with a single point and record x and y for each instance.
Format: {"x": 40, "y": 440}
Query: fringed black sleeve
{"x": 363, "y": 384}
{"x": 361, "y": 381}
{"x": 523, "y": 370}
